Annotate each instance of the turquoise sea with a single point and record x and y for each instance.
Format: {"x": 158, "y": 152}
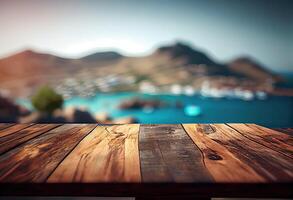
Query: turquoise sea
{"x": 272, "y": 112}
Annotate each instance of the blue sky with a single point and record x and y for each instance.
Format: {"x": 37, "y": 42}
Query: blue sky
{"x": 224, "y": 29}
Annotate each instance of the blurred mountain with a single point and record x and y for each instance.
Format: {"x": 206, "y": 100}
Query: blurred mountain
{"x": 177, "y": 63}
{"x": 103, "y": 56}
{"x": 24, "y": 71}
{"x": 191, "y": 56}
{"x": 248, "y": 67}
{"x": 30, "y": 63}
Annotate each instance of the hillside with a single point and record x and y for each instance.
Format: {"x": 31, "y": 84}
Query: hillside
{"x": 178, "y": 63}
{"x": 247, "y": 67}
{"x": 102, "y": 56}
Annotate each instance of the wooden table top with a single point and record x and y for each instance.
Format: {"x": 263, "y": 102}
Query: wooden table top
{"x": 222, "y": 160}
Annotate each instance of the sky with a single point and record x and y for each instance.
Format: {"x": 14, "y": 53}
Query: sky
{"x": 225, "y": 29}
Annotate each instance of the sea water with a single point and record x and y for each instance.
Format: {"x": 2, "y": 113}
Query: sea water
{"x": 272, "y": 112}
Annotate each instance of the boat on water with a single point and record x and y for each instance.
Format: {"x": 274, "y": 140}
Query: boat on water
{"x": 192, "y": 110}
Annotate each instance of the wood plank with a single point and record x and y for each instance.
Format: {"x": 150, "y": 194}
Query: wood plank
{"x": 5, "y": 125}
{"x": 285, "y": 130}
{"x": 167, "y": 154}
{"x": 12, "y": 140}
{"x": 270, "y": 164}
{"x": 107, "y": 154}
{"x": 13, "y": 129}
{"x": 35, "y": 160}
{"x": 223, "y": 165}
{"x": 275, "y": 140}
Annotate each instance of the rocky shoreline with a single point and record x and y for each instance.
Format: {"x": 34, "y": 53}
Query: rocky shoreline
{"x": 13, "y": 113}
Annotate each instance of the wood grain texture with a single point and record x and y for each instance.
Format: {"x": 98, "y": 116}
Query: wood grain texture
{"x": 108, "y": 154}
{"x": 5, "y": 125}
{"x": 167, "y": 154}
{"x": 12, "y": 140}
{"x": 268, "y": 163}
{"x": 223, "y": 165}
{"x": 35, "y": 160}
{"x": 275, "y": 140}
{"x": 172, "y": 163}
{"x": 13, "y": 129}
{"x": 285, "y": 130}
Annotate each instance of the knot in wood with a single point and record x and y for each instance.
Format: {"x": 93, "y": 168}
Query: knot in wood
{"x": 214, "y": 157}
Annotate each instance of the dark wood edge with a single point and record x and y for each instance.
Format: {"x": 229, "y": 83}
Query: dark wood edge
{"x": 201, "y": 190}
{"x": 288, "y": 131}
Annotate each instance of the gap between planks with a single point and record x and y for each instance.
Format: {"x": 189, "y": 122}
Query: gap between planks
{"x": 13, "y": 129}
{"x": 5, "y": 125}
{"x": 20, "y": 137}
{"x": 69, "y": 153}
{"x": 167, "y": 154}
{"x": 272, "y": 139}
{"x": 268, "y": 163}
{"x": 207, "y": 156}
{"x": 106, "y": 154}
{"x": 34, "y": 160}
{"x": 219, "y": 161}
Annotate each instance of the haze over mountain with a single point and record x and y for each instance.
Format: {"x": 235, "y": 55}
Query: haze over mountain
{"x": 175, "y": 63}
{"x": 225, "y": 28}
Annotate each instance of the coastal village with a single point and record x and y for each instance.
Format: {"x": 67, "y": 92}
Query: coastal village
{"x": 220, "y": 88}
{"x": 176, "y": 70}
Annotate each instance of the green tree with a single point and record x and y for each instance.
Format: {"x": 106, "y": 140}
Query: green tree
{"x": 46, "y": 100}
